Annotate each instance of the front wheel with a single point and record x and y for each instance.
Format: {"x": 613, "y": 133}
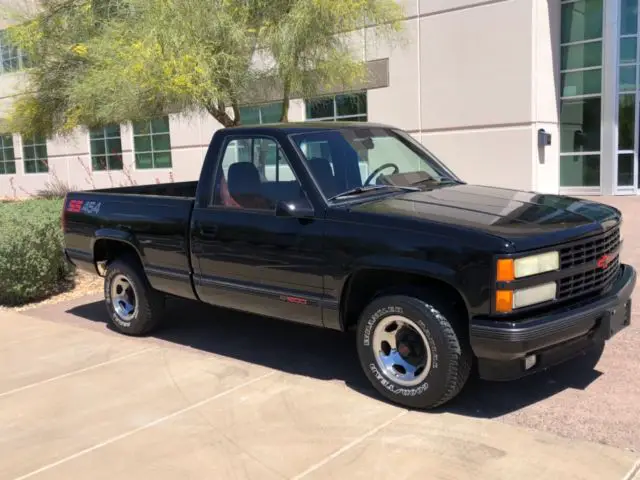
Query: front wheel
{"x": 410, "y": 351}
{"x": 134, "y": 307}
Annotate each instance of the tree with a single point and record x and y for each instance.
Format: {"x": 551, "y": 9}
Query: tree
{"x": 96, "y": 62}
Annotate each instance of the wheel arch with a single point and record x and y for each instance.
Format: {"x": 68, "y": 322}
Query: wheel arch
{"x": 110, "y": 244}
{"x": 367, "y": 283}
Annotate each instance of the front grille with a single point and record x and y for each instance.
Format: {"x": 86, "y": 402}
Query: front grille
{"x": 590, "y": 252}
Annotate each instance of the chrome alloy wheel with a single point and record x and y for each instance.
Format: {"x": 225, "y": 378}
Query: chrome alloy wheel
{"x": 123, "y": 298}
{"x": 401, "y": 350}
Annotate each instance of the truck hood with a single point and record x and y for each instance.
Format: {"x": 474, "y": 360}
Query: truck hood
{"x": 526, "y": 220}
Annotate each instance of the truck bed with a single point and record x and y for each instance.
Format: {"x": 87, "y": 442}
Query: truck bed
{"x": 152, "y": 219}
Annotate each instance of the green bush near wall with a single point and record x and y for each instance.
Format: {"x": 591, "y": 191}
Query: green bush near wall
{"x": 32, "y": 265}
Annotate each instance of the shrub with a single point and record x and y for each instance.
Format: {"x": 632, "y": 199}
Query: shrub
{"x": 32, "y": 265}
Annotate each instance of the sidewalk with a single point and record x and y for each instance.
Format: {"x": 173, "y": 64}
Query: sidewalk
{"x": 88, "y": 403}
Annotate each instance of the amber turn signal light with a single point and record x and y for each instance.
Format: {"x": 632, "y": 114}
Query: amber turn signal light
{"x": 505, "y": 271}
{"x": 504, "y": 301}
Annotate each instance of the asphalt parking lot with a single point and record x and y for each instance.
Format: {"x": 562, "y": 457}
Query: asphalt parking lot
{"x": 217, "y": 394}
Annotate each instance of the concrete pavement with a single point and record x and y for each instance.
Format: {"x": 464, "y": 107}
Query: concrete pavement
{"x": 88, "y": 403}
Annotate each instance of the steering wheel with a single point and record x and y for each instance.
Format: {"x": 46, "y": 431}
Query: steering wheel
{"x": 396, "y": 169}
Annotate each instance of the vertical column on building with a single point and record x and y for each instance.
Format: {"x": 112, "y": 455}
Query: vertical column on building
{"x": 609, "y": 157}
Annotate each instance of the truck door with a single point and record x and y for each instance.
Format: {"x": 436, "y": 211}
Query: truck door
{"x": 249, "y": 254}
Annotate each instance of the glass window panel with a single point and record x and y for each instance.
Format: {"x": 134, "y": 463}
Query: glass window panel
{"x": 320, "y": 108}
{"x": 114, "y": 145}
{"x": 9, "y": 153}
{"x": 144, "y": 160}
{"x": 351, "y": 104}
{"x": 629, "y": 20}
{"x": 625, "y": 169}
{"x": 626, "y": 121}
{"x": 580, "y": 171}
{"x": 271, "y": 113}
{"x": 161, "y": 142}
{"x": 160, "y": 125}
{"x": 627, "y": 79}
{"x": 585, "y": 82}
{"x": 96, "y": 133}
{"x": 581, "y": 55}
{"x": 29, "y": 166}
{"x": 7, "y": 141}
{"x": 142, "y": 144}
{"x": 162, "y": 160}
{"x": 628, "y": 50}
{"x": 112, "y": 130}
{"x": 98, "y": 147}
{"x": 115, "y": 162}
{"x": 99, "y": 162}
{"x": 141, "y": 128}
{"x": 2, "y": 169}
{"x": 249, "y": 115}
{"x": 29, "y": 152}
{"x": 580, "y": 125}
{"x": 581, "y": 20}
{"x": 41, "y": 151}
{"x": 42, "y": 166}
{"x": 10, "y": 167}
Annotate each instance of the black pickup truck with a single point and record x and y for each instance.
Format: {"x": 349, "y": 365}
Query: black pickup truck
{"x": 357, "y": 226}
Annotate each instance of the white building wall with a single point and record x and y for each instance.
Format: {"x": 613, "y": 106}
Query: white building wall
{"x": 472, "y": 80}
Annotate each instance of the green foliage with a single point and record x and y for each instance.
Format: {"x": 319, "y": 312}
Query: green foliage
{"x": 96, "y": 62}
{"x": 31, "y": 262}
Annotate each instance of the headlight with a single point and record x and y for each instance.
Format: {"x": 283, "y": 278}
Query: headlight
{"x": 510, "y": 269}
{"x": 509, "y": 300}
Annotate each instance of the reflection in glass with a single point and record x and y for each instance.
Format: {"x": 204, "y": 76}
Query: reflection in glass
{"x": 580, "y": 125}
{"x": 625, "y": 169}
{"x": 581, "y": 20}
{"x": 628, "y": 49}
{"x": 585, "y": 82}
{"x": 580, "y": 171}
{"x": 627, "y": 78}
{"x": 629, "y": 17}
{"x": 581, "y": 55}
{"x": 626, "y": 121}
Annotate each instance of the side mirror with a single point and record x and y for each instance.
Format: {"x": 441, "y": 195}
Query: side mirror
{"x": 295, "y": 209}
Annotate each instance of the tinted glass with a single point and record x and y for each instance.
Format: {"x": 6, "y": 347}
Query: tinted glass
{"x": 580, "y": 125}
{"x": 626, "y": 121}
{"x": 581, "y": 20}
{"x": 580, "y": 171}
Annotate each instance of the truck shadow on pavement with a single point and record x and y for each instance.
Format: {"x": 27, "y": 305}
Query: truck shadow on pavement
{"x": 330, "y": 355}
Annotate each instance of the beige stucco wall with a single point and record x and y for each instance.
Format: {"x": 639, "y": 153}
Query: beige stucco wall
{"x": 472, "y": 80}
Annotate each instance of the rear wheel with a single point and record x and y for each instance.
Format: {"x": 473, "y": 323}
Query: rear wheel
{"x": 411, "y": 352}
{"x": 134, "y": 307}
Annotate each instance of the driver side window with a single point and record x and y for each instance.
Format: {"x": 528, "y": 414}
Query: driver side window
{"x": 255, "y": 174}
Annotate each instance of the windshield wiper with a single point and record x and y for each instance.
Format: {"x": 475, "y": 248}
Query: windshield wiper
{"x": 444, "y": 181}
{"x": 368, "y": 188}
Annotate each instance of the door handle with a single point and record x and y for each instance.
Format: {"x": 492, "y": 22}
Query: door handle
{"x": 208, "y": 231}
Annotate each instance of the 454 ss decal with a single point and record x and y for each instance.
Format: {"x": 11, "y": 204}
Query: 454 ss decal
{"x": 77, "y": 206}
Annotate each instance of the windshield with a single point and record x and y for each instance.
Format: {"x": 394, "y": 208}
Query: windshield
{"x": 345, "y": 159}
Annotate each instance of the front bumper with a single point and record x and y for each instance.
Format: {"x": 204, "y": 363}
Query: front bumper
{"x": 502, "y": 346}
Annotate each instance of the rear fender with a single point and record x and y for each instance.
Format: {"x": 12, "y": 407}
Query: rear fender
{"x": 118, "y": 236}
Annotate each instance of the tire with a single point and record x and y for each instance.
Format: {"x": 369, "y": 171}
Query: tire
{"x": 148, "y": 304}
{"x": 426, "y": 321}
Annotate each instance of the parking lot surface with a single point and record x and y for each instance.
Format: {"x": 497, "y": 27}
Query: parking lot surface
{"x": 217, "y": 394}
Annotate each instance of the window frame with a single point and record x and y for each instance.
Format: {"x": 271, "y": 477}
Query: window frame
{"x": 20, "y": 56}
{"x": 363, "y": 117}
{"x": 36, "y": 159}
{"x": 259, "y": 107}
{"x": 3, "y": 161}
{"x": 152, "y": 151}
{"x": 104, "y": 138}
{"x": 218, "y": 170}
